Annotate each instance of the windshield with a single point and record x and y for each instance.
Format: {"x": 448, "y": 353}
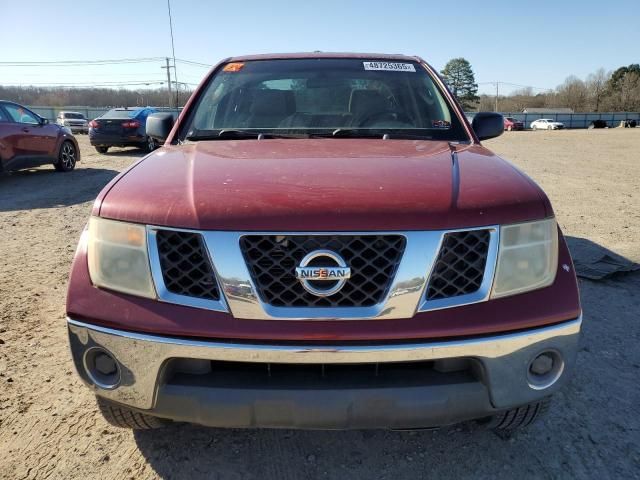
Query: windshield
{"x": 74, "y": 116}
{"x": 339, "y": 97}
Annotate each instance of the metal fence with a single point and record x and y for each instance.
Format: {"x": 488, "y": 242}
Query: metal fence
{"x": 51, "y": 113}
{"x": 570, "y": 120}
{"x": 573, "y": 120}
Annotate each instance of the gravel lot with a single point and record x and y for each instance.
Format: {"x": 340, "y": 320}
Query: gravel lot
{"x": 49, "y": 426}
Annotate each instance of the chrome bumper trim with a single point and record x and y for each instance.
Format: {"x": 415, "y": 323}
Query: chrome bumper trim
{"x": 505, "y": 358}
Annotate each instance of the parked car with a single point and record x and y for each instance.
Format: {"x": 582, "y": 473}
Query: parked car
{"x": 122, "y": 127}
{"x": 546, "y": 124}
{"x": 323, "y": 242}
{"x": 511, "y": 123}
{"x": 76, "y": 121}
{"x": 28, "y": 140}
{"x": 597, "y": 124}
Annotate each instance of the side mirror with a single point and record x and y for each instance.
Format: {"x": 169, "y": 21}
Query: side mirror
{"x": 488, "y": 125}
{"x": 159, "y": 125}
{"x": 44, "y": 121}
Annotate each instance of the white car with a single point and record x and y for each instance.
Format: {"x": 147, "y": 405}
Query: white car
{"x": 546, "y": 124}
{"x": 75, "y": 121}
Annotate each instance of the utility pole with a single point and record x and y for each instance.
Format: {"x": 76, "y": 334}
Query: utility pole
{"x": 168, "y": 67}
{"x": 173, "y": 53}
{"x": 497, "y": 83}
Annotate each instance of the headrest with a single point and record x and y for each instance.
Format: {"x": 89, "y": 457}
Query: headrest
{"x": 273, "y": 102}
{"x": 363, "y": 101}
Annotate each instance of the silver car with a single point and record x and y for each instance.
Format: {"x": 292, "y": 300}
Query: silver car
{"x": 75, "y": 121}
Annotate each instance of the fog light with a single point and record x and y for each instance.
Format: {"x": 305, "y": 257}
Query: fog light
{"x": 542, "y": 364}
{"x": 105, "y": 364}
{"x": 545, "y": 369}
{"x": 102, "y": 368}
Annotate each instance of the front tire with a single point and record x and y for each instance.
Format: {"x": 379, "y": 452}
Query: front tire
{"x": 102, "y": 149}
{"x": 520, "y": 417}
{"x": 123, "y": 417}
{"x": 151, "y": 145}
{"x": 67, "y": 157}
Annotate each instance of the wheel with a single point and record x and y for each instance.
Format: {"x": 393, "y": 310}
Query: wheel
{"x": 519, "y": 417}
{"x": 151, "y": 145}
{"x": 67, "y": 157}
{"x": 534, "y": 127}
{"x": 102, "y": 149}
{"x": 126, "y": 418}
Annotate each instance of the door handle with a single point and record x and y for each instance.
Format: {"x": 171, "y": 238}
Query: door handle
{"x": 25, "y": 129}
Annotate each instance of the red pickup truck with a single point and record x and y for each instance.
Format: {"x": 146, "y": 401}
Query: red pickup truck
{"x": 323, "y": 242}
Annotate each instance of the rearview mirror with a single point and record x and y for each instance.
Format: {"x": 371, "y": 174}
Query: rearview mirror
{"x": 159, "y": 125}
{"x": 488, "y": 125}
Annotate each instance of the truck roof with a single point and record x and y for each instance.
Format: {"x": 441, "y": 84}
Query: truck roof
{"x": 318, "y": 54}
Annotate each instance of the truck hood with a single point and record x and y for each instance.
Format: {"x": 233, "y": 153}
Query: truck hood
{"x": 322, "y": 185}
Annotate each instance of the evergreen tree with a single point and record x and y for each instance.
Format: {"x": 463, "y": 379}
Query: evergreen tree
{"x": 459, "y": 77}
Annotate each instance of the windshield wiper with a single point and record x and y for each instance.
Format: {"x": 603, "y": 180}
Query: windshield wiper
{"x": 222, "y": 134}
{"x": 231, "y": 133}
{"x": 382, "y": 134}
{"x": 239, "y": 134}
{"x": 356, "y": 132}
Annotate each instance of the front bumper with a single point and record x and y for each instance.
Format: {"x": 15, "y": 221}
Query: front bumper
{"x": 98, "y": 139}
{"x": 501, "y": 379}
{"x": 78, "y": 128}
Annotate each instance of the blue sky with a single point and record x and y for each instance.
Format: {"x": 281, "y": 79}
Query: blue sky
{"x": 536, "y": 43}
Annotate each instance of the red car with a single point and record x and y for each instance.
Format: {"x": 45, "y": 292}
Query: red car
{"x": 511, "y": 123}
{"x": 28, "y": 140}
{"x": 323, "y": 242}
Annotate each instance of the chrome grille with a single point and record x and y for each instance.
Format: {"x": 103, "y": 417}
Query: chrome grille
{"x": 460, "y": 266}
{"x": 186, "y": 268}
{"x": 272, "y": 260}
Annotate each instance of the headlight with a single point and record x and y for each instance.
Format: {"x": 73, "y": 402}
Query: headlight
{"x": 527, "y": 257}
{"x": 118, "y": 258}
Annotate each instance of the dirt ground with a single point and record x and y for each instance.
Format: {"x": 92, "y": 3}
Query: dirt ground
{"x": 49, "y": 426}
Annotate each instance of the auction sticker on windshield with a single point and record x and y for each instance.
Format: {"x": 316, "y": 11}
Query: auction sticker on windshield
{"x": 389, "y": 66}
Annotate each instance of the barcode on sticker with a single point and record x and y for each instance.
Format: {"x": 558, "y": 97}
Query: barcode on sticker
{"x": 389, "y": 66}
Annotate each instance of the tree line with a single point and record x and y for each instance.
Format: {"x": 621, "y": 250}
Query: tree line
{"x": 601, "y": 91}
{"x": 90, "y": 97}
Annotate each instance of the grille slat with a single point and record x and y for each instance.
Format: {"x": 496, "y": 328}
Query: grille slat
{"x": 272, "y": 260}
{"x": 459, "y": 268}
{"x": 185, "y": 264}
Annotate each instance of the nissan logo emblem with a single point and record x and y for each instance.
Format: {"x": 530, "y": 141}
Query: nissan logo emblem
{"x": 334, "y": 270}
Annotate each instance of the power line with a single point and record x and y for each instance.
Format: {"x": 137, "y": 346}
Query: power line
{"x": 190, "y": 62}
{"x": 98, "y": 82}
{"x": 82, "y": 63}
{"x": 515, "y": 85}
{"x": 84, "y": 85}
{"x": 77, "y": 63}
